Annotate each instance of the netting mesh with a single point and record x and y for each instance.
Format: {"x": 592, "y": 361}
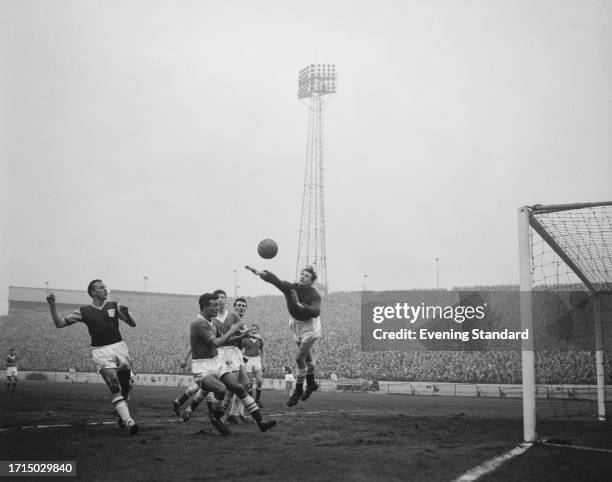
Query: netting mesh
{"x": 585, "y": 237}
{"x": 571, "y": 261}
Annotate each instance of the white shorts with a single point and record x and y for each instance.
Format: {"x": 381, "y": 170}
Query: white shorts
{"x": 253, "y": 364}
{"x": 11, "y": 372}
{"x": 116, "y": 356}
{"x": 232, "y": 356}
{"x": 309, "y": 330}
{"x": 203, "y": 367}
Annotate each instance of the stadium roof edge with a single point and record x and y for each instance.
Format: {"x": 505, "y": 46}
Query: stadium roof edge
{"x": 32, "y": 293}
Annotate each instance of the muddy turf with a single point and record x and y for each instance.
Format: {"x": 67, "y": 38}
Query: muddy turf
{"x": 342, "y": 436}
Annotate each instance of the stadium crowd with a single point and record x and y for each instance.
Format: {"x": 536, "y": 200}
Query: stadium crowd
{"x": 564, "y": 352}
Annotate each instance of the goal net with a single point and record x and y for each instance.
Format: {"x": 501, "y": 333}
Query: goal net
{"x": 566, "y": 282}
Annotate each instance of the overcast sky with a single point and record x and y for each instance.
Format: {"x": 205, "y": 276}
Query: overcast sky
{"x": 165, "y": 138}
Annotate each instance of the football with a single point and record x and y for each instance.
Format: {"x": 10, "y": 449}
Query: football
{"x": 267, "y": 248}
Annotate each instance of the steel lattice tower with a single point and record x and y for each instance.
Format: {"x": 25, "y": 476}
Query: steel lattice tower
{"x": 315, "y": 85}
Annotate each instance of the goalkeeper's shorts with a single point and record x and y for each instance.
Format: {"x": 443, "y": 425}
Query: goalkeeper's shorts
{"x": 304, "y": 331}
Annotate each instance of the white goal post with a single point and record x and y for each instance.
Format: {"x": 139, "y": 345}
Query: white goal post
{"x": 580, "y": 236}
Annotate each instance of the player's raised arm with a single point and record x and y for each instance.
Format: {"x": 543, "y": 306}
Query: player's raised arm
{"x": 125, "y": 315}
{"x": 255, "y": 271}
{"x": 58, "y": 320}
{"x": 271, "y": 278}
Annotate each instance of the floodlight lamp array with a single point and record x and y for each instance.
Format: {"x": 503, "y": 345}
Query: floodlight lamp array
{"x": 317, "y": 79}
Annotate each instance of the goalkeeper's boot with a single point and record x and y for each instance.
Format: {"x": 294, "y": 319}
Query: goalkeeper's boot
{"x": 309, "y": 389}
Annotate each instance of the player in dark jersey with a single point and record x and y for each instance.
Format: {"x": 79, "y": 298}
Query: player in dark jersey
{"x": 110, "y": 353}
{"x": 11, "y": 370}
{"x": 253, "y": 349}
{"x": 240, "y": 307}
{"x": 210, "y": 371}
{"x": 304, "y": 305}
{"x": 229, "y": 354}
{"x": 230, "y": 350}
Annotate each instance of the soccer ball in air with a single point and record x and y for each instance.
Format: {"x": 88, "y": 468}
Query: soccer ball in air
{"x": 267, "y": 248}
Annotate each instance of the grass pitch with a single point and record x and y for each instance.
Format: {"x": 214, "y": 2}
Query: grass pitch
{"x": 342, "y": 436}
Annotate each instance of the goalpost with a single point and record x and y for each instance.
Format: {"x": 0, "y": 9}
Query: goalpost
{"x": 563, "y": 247}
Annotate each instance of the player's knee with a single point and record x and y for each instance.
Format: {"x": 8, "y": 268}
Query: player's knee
{"x": 233, "y": 385}
{"x": 113, "y": 385}
{"x": 302, "y": 357}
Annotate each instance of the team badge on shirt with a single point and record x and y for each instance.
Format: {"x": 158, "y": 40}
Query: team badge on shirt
{"x": 111, "y": 312}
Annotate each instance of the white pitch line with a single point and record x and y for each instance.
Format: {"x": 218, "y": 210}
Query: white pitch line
{"x": 286, "y": 414}
{"x": 577, "y": 447}
{"x": 57, "y": 425}
{"x": 491, "y": 465}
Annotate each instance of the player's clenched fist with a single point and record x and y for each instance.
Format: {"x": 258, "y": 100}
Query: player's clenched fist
{"x": 51, "y": 298}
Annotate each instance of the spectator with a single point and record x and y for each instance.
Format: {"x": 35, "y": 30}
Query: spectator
{"x": 334, "y": 381}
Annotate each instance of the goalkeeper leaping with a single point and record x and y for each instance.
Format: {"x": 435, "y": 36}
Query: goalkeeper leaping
{"x": 304, "y": 305}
